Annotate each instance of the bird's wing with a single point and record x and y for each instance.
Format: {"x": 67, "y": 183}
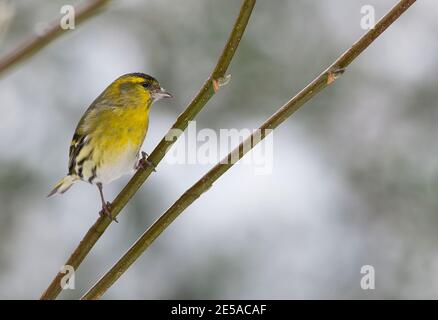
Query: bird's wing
{"x": 81, "y": 137}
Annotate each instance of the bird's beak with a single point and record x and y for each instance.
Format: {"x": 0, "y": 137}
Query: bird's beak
{"x": 160, "y": 94}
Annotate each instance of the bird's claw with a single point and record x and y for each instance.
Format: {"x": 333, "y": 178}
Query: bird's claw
{"x": 106, "y": 212}
{"x": 144, "y": 163}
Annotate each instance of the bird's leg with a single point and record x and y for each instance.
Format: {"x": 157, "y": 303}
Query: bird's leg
{"x": 106, "y": 205}
{"x": 143, "y": 163}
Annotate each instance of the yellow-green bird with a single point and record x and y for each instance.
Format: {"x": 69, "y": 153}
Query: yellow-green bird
{"x": 108, "y": 138}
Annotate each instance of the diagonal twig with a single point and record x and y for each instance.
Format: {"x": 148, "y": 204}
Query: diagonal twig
{"x": 202, "y": 185}
{"x": 195, "y": 106}
{"x": 54, "y": 30}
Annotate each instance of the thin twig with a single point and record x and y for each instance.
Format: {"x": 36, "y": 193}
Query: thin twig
{"x": 321, "y": 82}
{"x": 53, "y": 30}
{"x": 194, "y": 107}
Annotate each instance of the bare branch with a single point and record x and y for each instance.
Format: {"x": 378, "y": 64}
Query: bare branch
{"x": 36, "y": 42}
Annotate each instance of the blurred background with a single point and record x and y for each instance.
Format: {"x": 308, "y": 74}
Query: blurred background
{"x": 355, "y": 171}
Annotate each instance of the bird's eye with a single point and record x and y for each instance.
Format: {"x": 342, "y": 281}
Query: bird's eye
{"x": 146, "y": 84}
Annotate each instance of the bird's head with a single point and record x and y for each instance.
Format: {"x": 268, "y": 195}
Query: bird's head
{"x": 138, "y": 86}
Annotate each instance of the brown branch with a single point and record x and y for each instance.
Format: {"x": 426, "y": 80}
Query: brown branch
{"x": 36, "y": 42}
{"x": 202, "y": 185}
{"x": 195, "y": 106}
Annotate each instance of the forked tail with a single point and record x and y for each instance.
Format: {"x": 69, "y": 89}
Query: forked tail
{"x": 63, "y": 185}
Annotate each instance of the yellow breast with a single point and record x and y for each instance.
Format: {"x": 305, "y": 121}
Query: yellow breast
{"x": 113, "y": 138}
{"x": 119, "y": 128}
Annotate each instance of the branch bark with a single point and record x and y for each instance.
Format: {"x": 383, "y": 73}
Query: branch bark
{"x": 195, "y": 106}
{"x": 36, "y": 42}
{"x": 203, "y": 184}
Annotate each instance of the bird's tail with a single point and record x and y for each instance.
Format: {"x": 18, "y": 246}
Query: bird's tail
{"x": 63, "y": 185}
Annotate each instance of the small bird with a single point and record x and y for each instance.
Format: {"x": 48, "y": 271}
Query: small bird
{"x": 108, "y": 138}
